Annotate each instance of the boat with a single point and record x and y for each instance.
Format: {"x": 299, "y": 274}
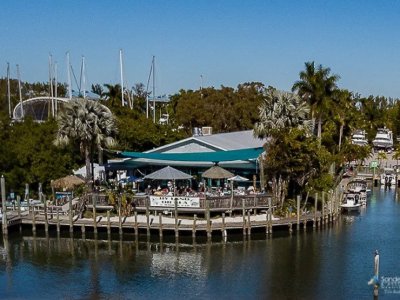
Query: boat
{"x": 388, "y": 177}
{"x": 351, "y": 202}
{"x": 359, "y": 186}
{"x": 383, "y": 139}
{"x": 359, "y": 138}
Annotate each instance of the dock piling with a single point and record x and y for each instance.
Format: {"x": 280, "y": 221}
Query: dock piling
{"x": 248, "y": 223}
{"x": 94, "y": 202}
{"x": 298, "y": 212}
{"x": 71, "y": 224}
{"x": 208, "y": 219}
{"x": 160, "y": 225}
{"x": 108, "y": 223}
{"x": 315, "y": 210}
{"x": 194, "y": 226}
{"x": 58, "y": 220}
{"x": 244, "y": 217}
{"x": 3, "y": 203}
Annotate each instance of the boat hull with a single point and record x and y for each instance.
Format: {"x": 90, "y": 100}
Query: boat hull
{"x": 350, "y": 207}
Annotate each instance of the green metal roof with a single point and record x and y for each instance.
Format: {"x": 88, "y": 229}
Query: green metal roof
{"x": 217, "y": 156}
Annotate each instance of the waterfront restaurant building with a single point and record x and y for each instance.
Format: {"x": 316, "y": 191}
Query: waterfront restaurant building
{"x": 238, "y": 152}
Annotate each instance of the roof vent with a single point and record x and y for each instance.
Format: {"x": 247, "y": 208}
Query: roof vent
{"x": 206, "y": 130}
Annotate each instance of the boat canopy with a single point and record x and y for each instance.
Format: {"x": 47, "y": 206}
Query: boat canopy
{"x": 217, "y": 156}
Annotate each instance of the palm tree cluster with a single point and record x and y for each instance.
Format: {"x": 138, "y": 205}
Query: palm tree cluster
{"x": 294, "y": 156}
{"x": 89, "y": 124}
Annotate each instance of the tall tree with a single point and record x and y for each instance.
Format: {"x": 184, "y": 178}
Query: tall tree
{"x": 113, "y": 94}
{"x": 279, "y": 114}
{"x": 316, "y": 86}
{"x": 88, "y": 123}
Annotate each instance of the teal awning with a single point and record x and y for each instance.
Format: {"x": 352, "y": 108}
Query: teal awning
{"x": 217, "y": 156}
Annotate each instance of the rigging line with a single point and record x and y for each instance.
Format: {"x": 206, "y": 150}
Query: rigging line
{"x": 148, "y": 80}
{"x": 80, "y": 79}
{"x": 76, "y": 81}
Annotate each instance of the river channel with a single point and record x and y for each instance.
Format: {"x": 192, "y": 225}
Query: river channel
{"x": 335, "y": 262}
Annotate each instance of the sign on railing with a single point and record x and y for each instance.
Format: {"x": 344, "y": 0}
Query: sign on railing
{"x": 168, "y": 201}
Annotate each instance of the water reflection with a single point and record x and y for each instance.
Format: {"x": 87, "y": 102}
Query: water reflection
{"x": 332, "y": 262}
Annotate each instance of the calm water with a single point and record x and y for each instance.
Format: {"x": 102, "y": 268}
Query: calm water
{"x": 333, "y": 263}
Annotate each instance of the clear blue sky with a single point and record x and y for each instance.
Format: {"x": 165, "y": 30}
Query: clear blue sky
{"x": 227, "y": 42}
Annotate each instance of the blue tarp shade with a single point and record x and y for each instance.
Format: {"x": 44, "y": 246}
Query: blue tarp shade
{"x": 218, "y": 156}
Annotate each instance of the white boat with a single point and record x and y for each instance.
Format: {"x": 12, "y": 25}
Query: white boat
{"x": 388, "y": 177}
{"x": 351, "y": 202}
{"x": 359, "y": 138}
{"x": 359, "y": 186}
{"x": 383, "y": 139}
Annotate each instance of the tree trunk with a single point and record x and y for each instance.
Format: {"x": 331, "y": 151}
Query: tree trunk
{"x": 87, "y": 162}
{"x": 100, "y": 150}
{"x": 340, "y": 135}
{"x": 319, "y": 129}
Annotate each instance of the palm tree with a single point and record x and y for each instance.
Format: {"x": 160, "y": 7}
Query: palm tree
{"x": 342, "y": 111}
{"x": 316, "y": 86}
{"x": 113, "y": 93}
{"x": 279, "y": 113}
{"x": 87, "y": 123}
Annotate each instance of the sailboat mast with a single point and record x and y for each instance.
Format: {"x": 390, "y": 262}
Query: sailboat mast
{"x": 122, "y": 77}
{"x": 147, "y": 91}
{"x": 8, "y": 91}
{"x": 51, "y": 83}
{"x": 55, "y": 88}
{"x": 69, "y": 77}
{"x": 20, "y": 92}
{"x": 154, "y": 90}
{"x": 83, "y": 77}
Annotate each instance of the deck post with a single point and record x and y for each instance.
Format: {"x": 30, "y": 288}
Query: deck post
{"x": 136, "y": 224}
{"x": 267, "y": 222}
{"x": 244, "y": 216}
{"x": 305, "y": 224}
{"x": 46, "y": 219}
{"x": 290, "y": 228}
{"x": 33, "y": 220}
{"x": 147, "y": 216}
{"x": 248, "y": 223}
{"x": 223, "y": 225}
{"x": 94, "y": 202}
{"x": 315, "y": 210}
{"x": 108, "y": 223}
{"x": 19, "y": 205}
{"x": 208, "y": 219}
{"x": 194, "y": 226}
{"x": 58, "y": 220}
{"x": 3, "y": 204}
{"x": 83, "y": 229}
{"x": 270, "y": 214}
{"x": 176, "y": 216}
{"x": 323, "y": 208}
{"x": 71, "y": 224}
{"x": 119, "y": 215}
{"x": 160, "y": 226}
{"x": 298, "y": 212}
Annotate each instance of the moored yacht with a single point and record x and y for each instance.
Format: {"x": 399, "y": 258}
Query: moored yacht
{"x": 383, "y": 139}
{"x": 359, "y": 138}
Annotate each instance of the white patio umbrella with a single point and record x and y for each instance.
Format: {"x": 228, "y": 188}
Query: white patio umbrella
{"x": 236, "y": 178}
